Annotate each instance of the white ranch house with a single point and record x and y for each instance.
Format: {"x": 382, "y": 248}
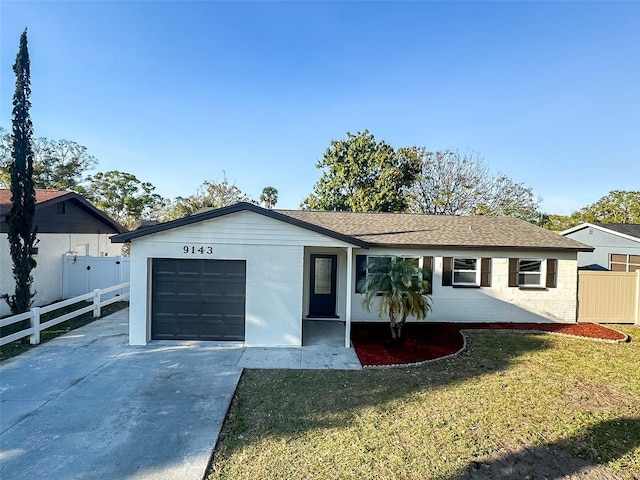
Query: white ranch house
{"x": 246, "y": 274}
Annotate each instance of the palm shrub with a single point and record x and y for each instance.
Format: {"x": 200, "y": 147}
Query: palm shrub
{"x": 396, "y": 285}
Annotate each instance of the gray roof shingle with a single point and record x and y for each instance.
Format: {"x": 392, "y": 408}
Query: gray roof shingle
{"x": 415, "y": 230}
{"x": 631, "y": 229}
{"x": 396, "y": 229}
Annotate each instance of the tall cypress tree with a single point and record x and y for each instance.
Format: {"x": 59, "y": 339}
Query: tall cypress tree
{"x": 21, "y": 230}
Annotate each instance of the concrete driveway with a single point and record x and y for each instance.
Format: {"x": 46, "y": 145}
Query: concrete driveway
{"x": 86, "y": 405}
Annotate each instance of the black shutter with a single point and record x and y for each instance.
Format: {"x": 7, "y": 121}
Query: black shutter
{"x": 447, "y": 274}
{"x": 485, "y": 272}
{"x": 552, "y": 272}
{"x": 361, "y": 271}
{"x": 514, "y": 267}
{"x": 427, "y": 273}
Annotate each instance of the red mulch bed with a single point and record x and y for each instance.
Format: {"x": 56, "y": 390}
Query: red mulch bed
{"x": 429, "y": 341}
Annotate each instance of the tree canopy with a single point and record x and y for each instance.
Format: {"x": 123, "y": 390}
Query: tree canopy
{"x": 363, "y": 175}
{"x": 618, "y": 206}
{"x": 211, "y": 194}
{"x": 121, "y": 196}
{"x": 57, "y": 164}
{"x": 269, "y": 197}
{"x": 453, "y": 183}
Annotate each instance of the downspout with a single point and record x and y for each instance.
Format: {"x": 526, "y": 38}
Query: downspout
{"x": 347, "y": 329}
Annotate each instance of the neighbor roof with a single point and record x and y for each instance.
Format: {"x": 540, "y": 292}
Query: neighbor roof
{"x": 49, "y": 197}
{"x": 630, "y": 231}
{"x": 41, "y": 196}
{"x": 398, "y": 229}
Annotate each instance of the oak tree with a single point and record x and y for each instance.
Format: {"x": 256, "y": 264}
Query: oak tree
{"x": 121, "y": 196}
{"x": 454, "y": 183}
{"x": 57, "y": 164}
{"x": 364, "y": 175}
{"x": 211, "y": 194}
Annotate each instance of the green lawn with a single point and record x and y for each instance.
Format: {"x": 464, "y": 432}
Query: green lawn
{"x": 511, "y": 398}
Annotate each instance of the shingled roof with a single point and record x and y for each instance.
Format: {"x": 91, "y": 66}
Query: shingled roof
{"x": 41, "y": 197}
{"x": 630, "y": 231}
{"x": 397, "y": 229}
{"x": 416, "y": 230}
{"x": 45, "y": 198}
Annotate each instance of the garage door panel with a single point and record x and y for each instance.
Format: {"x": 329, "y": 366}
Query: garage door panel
{"x": 198, "y": 299}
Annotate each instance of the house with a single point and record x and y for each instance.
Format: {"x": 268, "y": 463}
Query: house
{"x": 247, "y": 274}
{"x": 67, "y": 224}
{"x": 616, "y": 246}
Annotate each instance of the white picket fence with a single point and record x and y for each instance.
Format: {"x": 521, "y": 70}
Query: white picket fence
{"x": 33, "y": 315}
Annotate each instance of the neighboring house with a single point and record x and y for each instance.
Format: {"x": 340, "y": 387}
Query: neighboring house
{"x": 244, "y": 273}
{"x": 67, "y": 224}
{"x": 616, "y": 246}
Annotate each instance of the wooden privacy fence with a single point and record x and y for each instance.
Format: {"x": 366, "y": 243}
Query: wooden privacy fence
{"x": 609, "y": 297}
{"x": 33, "y": 315}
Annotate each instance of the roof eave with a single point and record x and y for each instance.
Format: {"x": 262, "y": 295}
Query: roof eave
{"x": 602, "y": 228}
{"x": 238, "y": 207}
{"x": 72, "y": 196}
{"x": 481, "y": 247}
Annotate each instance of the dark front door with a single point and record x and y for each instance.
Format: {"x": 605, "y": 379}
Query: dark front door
{"x": 322, "y": 301}
{"x": 198, "y": 299}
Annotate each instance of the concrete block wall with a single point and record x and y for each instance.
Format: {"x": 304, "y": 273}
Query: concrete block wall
{"x": 498, "y": 303}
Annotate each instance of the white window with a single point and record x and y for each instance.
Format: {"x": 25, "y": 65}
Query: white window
{"x": 530, "y": 272}
{"x": 621, "y": 262}
{"x": 466, "y": 271}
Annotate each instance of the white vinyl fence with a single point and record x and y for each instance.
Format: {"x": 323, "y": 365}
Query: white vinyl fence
{"x": 83, "y": 273}
{"x": 117, "y": 293}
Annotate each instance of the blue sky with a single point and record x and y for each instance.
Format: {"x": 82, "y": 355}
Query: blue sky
{"x": 180, "y": 92}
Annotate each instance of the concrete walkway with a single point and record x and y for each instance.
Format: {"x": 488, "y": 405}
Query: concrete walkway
{"x": 89, "y": 406}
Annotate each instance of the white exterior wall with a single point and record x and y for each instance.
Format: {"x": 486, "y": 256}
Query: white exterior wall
{"x": 498, "y": 303}
{"x": 274, "y": 253}
{"x": 47, "y": 275}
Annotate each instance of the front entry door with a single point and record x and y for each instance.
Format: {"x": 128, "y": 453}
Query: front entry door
{"x": 322, "y": 300}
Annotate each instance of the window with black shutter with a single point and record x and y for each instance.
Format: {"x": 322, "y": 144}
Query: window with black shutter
{"x": 427, "y": 273}
{"x": 361, "y": 271}
{"x": 447, "y": 271}
{"x": 552, "y": 273}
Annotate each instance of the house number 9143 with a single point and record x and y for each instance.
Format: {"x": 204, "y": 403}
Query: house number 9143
{"x": 203, "y": 249}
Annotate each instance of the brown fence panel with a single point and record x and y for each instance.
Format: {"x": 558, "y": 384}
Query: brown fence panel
{"x": 608, "y": 297}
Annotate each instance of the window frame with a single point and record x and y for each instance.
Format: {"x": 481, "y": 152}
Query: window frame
{"x": 627, "y": 263}
{"x": 419, "y": 258}
{"x": 542, "y": 282}
{"x": 477, "y": 270}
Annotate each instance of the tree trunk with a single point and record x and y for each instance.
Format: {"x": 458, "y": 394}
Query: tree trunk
{"x": 393, "y": 331}
{"x": 392, "y": 322}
